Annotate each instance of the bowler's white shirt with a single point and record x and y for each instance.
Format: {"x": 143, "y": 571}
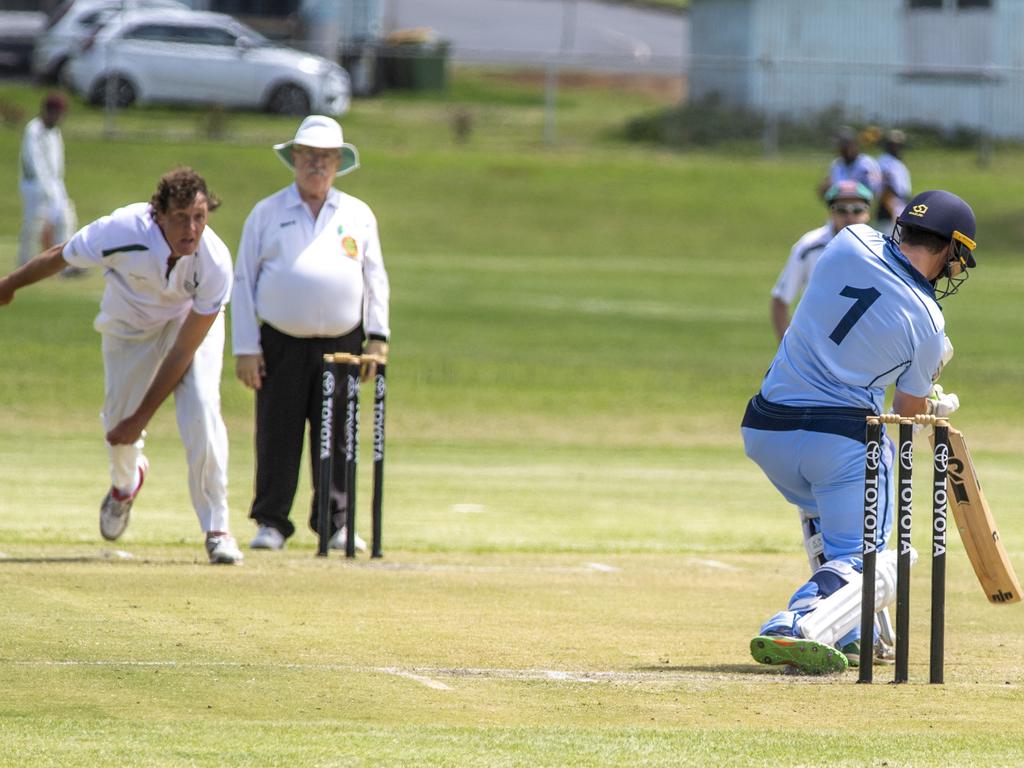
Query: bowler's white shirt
{"x": 142, "y": 293}
{"x": 308, "y": 278}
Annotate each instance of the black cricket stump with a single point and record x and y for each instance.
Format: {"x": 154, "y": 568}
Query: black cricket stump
{"x": 903, "y": 522}
{"x": 351, "y": 447}
{"x": 873, "y": 459}
{"x": 329, "y": 381}
{"x": 379, "y": 394}
{"x": 940, "y": 505}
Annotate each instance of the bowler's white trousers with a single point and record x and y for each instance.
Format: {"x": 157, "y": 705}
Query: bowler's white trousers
{"x": 129, "y": 365}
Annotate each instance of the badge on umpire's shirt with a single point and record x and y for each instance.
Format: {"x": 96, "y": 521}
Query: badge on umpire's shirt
{"x": 348, "y": 243}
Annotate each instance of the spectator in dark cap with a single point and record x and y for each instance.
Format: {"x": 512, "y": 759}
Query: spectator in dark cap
{"x": 48, "y": 213}
{"x": 895, "y": 181}
{"x": 852, "y": 164}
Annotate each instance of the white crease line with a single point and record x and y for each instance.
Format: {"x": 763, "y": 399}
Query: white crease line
{"x": 437, "y": 685}
{"x": 716, "y": 564}
{"x": 423, "y": 675}
{"x": 468, "y": 509}
{"x": 466, "y": 568}
{"x": 669, "y": 675}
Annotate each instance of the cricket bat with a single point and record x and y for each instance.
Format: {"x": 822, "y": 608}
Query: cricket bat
{"x": 977, "y": 528}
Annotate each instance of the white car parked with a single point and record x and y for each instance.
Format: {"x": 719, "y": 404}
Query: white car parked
{"x": 70, "y": 25}
{"x": 196, "y": 57}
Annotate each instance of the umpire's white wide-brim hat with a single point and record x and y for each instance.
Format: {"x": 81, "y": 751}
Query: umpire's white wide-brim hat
{"x": 322, "y": 133}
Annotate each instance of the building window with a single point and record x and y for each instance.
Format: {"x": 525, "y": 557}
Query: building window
{"x": 927, "y": 20}
{"x": 938, "y": 5}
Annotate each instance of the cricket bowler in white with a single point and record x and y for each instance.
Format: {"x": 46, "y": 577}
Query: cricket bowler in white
{"x": 168, "y": 278}
{"x": 869, "y": 319}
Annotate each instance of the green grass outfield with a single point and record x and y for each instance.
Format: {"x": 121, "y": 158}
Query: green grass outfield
{"x": 577, "y": 552}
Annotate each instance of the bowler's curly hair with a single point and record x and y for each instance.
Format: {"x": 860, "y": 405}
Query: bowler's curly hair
{"x": 178, "y": 188}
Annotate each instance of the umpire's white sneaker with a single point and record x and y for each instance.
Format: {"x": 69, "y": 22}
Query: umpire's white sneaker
{"x": 116, "y": 507}
{"x": 338, "y": 541}
{"x": 222, "y": 549}
{"x": 267, "y": 537}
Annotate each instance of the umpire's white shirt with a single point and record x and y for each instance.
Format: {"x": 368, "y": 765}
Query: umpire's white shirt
{"x": 308, "y": 277}
{"x": 142, "y": 293}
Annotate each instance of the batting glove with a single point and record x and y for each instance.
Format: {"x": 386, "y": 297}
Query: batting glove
{"x": 941, "y": 404}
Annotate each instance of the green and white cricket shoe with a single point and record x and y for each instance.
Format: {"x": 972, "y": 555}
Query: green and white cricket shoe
{"x": 808, "y": 656}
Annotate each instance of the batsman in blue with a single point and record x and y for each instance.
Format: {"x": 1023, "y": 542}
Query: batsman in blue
{"x": 869, "y": 320}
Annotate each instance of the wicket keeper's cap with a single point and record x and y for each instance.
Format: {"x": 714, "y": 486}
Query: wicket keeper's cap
{"x": 848, "y": 189}
{"x": 944, "y": 214}
{"x": 322, "y": 133}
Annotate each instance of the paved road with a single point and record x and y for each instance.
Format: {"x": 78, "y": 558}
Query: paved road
{"x": 601, "y": 35}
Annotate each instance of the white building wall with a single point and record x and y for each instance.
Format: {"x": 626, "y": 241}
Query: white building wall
{"x": 874, "y": 59}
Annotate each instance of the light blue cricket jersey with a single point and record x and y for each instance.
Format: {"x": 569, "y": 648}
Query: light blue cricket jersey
{"x": 867, "y": 319}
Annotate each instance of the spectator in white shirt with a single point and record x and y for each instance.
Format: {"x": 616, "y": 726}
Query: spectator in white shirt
{"x": 309, "y": 281}
{"x": 168, "y": 278}
{"x": 48, "y": 215}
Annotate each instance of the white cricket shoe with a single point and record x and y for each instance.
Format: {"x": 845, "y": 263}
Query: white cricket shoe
{"x": 223, "y": 550}
{"x": 338, "y": 541}
{"x": 267, "y": 537}
{"x": 116, "y": 507}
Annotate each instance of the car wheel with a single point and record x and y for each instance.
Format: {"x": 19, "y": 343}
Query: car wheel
{"x": 289, "y": 100}
{"x": 122, "y": 93}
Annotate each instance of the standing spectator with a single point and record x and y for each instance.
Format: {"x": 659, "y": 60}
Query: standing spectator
{"x": 168, "y": 278}
{"x": 48, "y": 215}
{"x": 870, "y": 319}
{"x": 309, "y": 281}
{"x": 895, "y": 181}
{"x": 849, "y": 202}
{"x": 852, "y": 164}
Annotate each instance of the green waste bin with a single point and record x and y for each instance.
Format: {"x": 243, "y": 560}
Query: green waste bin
{"x": 417, "y": 66}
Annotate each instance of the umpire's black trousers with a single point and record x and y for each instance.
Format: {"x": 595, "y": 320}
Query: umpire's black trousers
{"x": 291, "y": 397}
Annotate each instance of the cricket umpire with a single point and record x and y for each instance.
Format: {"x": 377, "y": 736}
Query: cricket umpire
{"x": 168, "y": 278}
{"x": 309, "y": 281}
